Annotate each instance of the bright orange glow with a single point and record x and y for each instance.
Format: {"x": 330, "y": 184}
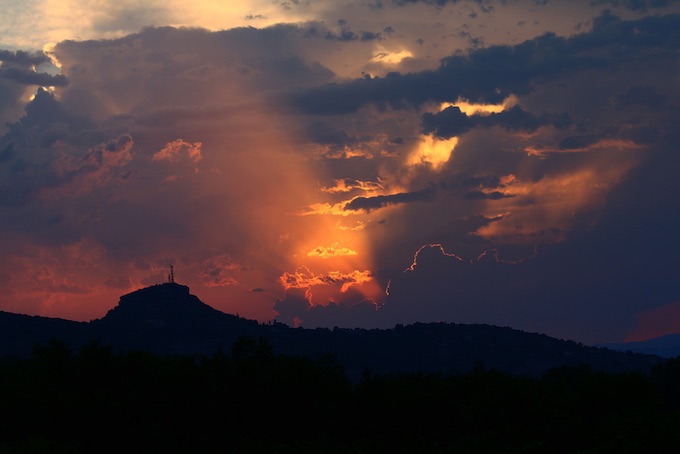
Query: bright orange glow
{"x": 333, "y": 250}
{"x": 470, "y": 109}
{"x": 432, "y": 151}
{"x": 337, "y": 209}
{"x": 360, "y": 225}
{"x": 391, "y": 58}
{"x": 347, "y": 186}
{"x": 304, "y": 278}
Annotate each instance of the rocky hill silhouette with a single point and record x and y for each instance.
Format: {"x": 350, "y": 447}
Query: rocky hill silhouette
{"x": 167, "y": 319}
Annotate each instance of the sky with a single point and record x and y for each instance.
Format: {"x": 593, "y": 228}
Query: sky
{"x": 347, "y": 163}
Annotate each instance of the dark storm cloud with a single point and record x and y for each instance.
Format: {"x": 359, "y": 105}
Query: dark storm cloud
{"x": 464, "y": 182}
{"x": 325, "y": 133}
{"x": 491, "y": 74}
{"x": 30, "y": 162}
{"x": 290, "y": 307}
{"x": 18, "y": 67}
{"x": 636, "y": 5}
{"x": 44, "y": 122}
{"x": 605, "y": 96}
{"x": 23, "y": 58}
{"x": 452, "y": 122}
{"x": 28, "y": 77}
{"x": 493, "y": 195}
{"x": 344, "y": 33}
{"x": 467, "y": 187}
{"x": 17, "y": 74}
{"x": 574, "y": 289}
{"x": 643, "y": 96}
{"x": 633, "y": 5}
{"x": 575, "y": 142}
{"x": 589, "y": 286}
{"x": 169, "y": 68}
{"x": 486, "y": 5}
{"x": 81, "y": 164}
{"x": 373, "y": 203}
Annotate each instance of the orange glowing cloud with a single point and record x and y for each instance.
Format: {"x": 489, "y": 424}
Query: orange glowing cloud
{"x": 471, "y": 109}
{"x": 432, "y": 151}
{"x": 359, "y": 225}
{"x": 336, "y": 209}
{"x": 303, "y": 278}
{"x": 348, "y": 185}
{"x": 175, "y": 150}
{"x": 332, "y": 251}
{"x": 390, "y": 58}
{"x": 546, "y": 208}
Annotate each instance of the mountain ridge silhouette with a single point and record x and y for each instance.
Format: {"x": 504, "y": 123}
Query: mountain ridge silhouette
{"x": 167, "y": 319}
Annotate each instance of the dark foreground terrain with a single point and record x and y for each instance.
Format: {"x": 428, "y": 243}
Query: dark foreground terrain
{"x": 168, "y": 320}
{"x": 163, "y": 372}
{"x": 250, "y": 400}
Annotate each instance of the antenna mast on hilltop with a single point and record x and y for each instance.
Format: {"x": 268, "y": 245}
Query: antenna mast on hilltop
{"x": 171, "y": 276}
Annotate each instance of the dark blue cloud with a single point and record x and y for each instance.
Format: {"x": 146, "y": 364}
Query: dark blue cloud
{"x": 375, "y": 202}
{"x": 452, "y": 122}
{"x": 491, "y": 74}
{"x": 636, "y": 5}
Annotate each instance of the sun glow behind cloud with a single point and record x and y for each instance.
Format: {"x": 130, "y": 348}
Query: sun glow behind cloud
{"x": 334, "y": 250}
{"x": 390, "y": 58}
{"x": 471, "y": 109}
{"x": 265, "y": 164}
{"x": 432, "y": 151}
{"x": 436, "y": 152}
{"x": 53, "y": 21}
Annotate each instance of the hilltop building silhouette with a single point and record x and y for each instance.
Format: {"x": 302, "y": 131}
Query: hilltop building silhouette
{"x": 171, "y": 276}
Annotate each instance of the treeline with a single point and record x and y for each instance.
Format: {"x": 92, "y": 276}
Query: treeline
{"x": 251, "y": 400}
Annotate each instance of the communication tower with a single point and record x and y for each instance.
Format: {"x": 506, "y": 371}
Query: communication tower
{"x": 171, "y": 276}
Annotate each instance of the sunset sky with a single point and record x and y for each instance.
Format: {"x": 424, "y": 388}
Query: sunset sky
{"x": 350, "y": 163}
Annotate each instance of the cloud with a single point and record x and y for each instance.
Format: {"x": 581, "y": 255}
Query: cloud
{"x": 332, "y": 251}
{"x": 636, "y": 5}
{"x": 305, "y": 279}
{"x": 175, "y": 150}
{"x": 20, "y": 72}
{"x": 379, "y": 201}
{"x": 491, "y": 74}
{"x": 23, "y": 58}
{"x": 452, "y": 122}
{"x": 349, "y": 185}
{"x": 29, "y": 77}
{"x": 283, "y": 183}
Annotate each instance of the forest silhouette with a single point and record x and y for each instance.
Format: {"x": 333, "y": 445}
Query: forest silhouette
{"x": 249, "y": 399}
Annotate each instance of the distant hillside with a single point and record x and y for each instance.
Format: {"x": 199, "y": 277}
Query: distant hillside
{"x": 167, "y": 319}
{"x": 19, "y": 333}
{"x": 665, "y": 346}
